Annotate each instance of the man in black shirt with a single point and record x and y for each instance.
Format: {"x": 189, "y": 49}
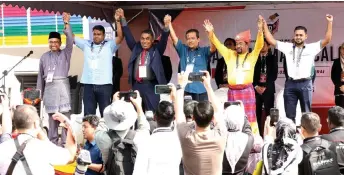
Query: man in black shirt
{"x": 265, "y": 75}
{"x": 335, "y": 122}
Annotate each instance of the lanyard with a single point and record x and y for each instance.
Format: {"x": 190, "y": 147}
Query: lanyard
{"x": 101, "y": 46}
{"x": 263, "y": 65}
{"x": 188, "y": 61}
{"x": 298, "y": 57}
{"x": 54, "y": 61}
{"x": 237, "y": 60}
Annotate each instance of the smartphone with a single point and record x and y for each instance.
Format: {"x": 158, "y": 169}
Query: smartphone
{"x": 274, "y": 116}
{"x": 162, "y": 89}
{"x": 230, "y": 103}
{"x": 127, "y": 95}
{"x": 196, "y": 76}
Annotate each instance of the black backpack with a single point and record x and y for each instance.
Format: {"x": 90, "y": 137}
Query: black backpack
{"x": 320, "y": 160}
{"x": 122, "y": 154}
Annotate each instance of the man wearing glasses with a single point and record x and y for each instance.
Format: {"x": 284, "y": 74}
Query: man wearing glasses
{"x": 52, "y": 79}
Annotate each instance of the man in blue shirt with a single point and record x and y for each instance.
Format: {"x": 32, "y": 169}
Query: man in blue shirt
{"x": 193, "y": 58}
{"x": 145, "y": 65}
{"x": 89, "y": 126}
{"x": 97, "y": 71}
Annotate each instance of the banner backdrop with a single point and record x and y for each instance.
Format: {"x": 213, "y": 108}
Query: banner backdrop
{"x": 282, "y": 20}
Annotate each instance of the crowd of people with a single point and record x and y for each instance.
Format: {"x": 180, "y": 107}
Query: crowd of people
{"x": 197, "y": 136}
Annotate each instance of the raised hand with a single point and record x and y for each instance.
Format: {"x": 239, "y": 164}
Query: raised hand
{"x": 66, "y": 17}
{"x": 206, "y": 79}
{"x": 329, "y": 17}
{"x": 116, "y": 16}
{"x": 120, "y": 12}
{"x": 167, "y": 20}
{"x": 260, "y": 22}
{"x": 208, "y": 26}
{"x": 183, "y": 79}
{"x": 136, "y": 101}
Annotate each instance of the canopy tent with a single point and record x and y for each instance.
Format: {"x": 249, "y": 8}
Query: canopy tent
{"x": 104, "y": 9}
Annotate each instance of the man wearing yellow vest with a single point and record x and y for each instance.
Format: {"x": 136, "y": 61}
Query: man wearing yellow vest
{"x": 240, "y": 68}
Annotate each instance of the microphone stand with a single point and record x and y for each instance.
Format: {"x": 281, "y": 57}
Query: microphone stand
{"x": 5, "y": 72}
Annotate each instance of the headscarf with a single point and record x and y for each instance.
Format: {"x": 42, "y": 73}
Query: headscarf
{"x": 285, "y": 148}
{"x": 236, "y": 139}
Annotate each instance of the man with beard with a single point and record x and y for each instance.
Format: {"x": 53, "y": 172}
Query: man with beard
{"x": 299, "y": 59}
{"x": 240, "y": 68}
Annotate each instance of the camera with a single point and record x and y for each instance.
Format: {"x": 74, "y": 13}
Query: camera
{"x": 162, "y": 89}
{"x": 274, "y": 116}
{"x": 230, "y": 103}
{"x": 196, "y": 76}
{"x": 127, "y": 95}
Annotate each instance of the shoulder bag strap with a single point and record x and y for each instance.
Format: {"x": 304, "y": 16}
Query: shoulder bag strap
{"x": 19, "y": 156}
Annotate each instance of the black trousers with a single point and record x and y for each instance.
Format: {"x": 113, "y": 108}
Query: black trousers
{"x": 339, "y": 100}
{"x": 267, "y": 99}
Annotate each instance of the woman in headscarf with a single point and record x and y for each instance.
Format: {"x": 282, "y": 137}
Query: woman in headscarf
{"x": 239, "y": 141}
{"x": 282, "y": 155}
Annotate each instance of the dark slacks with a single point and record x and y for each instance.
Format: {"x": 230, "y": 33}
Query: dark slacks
{"x": 297, "y": 90}
{"x": 267, "y": 99}
{"x": 150, "y": 100}
{"x": 96, "y": 94}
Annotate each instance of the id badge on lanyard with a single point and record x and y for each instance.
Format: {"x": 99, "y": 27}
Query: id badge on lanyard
{"x": 190, "y": 64}
{"x": 50, "y": 75}
{"x": 262, "y": 78}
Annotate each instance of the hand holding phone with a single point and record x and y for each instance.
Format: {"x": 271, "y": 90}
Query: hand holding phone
{"x": 196, "y": 76}
{"x": 127, "y": 95}
{"x": 162, "y": 89}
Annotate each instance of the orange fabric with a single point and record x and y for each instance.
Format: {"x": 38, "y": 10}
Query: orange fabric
{"x": 244, "y": 36}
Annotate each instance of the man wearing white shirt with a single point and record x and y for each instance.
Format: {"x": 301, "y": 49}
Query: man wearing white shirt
{"x": 299, "y": 59}
{"x": 161, "y": 153}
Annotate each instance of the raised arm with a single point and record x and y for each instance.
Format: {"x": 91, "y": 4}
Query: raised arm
{"x": 211, "y": 95}
{"x": 173, "y": 34}
{"x": 6, "y": 115}
{"x": 328, "y": 35}
{"x": 268, "y": 36}
{"x": 130, "y": 40}
{"x": 178, "y": 95}
{"x": 119, "y": 31}
{"x": 69, "y": 35}
{"x": 260, "y": 39}
{"x": 209, "y": 29}
{"x": 164, "y": 36}
{"x": 222, "y": 49}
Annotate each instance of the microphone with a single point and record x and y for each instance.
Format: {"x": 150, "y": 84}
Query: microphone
{"x": 31, "y": 52}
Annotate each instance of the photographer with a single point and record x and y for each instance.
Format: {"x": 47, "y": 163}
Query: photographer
{"x": 119, "y": 118}
{"x": 202, "y": 146}
{"x": 38, "y": 153}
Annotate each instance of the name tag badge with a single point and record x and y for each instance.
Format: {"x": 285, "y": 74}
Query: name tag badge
{"x": 189, "y": 68}
{"x": 50, "y": 76}
{"x": 262, "y": 78}
{"x": 246, "y": 66}
{"x": 142, "y": 71}
{"x": 240, "y": 76}
{"x": 94, "y": 64}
